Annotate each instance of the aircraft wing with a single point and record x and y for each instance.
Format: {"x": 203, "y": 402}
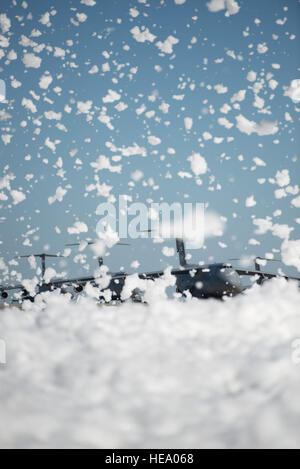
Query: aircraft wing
{"x": 120, "y": 276}
{"x": 251, "y": 273}
{"x": 10, "y": 288}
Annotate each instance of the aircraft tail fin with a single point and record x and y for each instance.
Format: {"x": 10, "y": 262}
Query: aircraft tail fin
{"x": 181, "y": 252}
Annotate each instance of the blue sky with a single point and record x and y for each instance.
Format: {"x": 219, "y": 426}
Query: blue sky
{"x": 73, "y": 39}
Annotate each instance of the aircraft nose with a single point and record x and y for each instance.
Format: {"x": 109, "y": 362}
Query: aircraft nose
{"x": 231, "y": 279}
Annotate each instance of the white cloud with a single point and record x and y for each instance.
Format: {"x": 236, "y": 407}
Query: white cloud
{"x": 179, "y": 2}
{"x": 265, "y": 127}
{"x": 31, "y": 61}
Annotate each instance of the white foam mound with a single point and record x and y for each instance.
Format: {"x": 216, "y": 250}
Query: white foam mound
{"x": 167, "y": 375}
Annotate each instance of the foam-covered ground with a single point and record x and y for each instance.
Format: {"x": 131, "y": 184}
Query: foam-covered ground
{"x": 194, "y": 374}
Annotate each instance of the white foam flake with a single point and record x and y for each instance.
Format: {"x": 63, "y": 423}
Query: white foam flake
{"x": 5, "y": 23}
{"x": 89, "y": 3}
{"x": 94, "y": 69}
{"x": 283, "y": 178}
{"x": 134, "y": 12}
{"x": 262, "y": 48}
{"x": 168, "y": 252}
{"x": 104, "y": 163}
{"x": 232, "y": 7}
{"x": 45, "y": 81}
{"x": 221, "y": 89}
{"x": 258, "y": 365}
{"x": 31, "y": 61}
{"x": 17, "y": 196}
{"x": 293, "y": 91}
{"x": 142, "y": 35}
{"x": 154, "y": 140}
{"x": 188, "y": 123}
{"x": 198, "y": 164}
{"x": 290, "y": 252}
{"x": 168, "y": 102}
{"x": 167, "y": 46}
{"x": 239, "y": 96}
{"x": 77, "y": 228}
{"x": 28, "y": 104}
{"x": 81, "y": 17}
{"x": 266, "y": 127}
{"x": 251, "y": 76}
{"x": 296, "y": 202}
{"x": 45, "y": 19}
{"x": 58, "y": 196}
{"x": 111, "y": 97}
{"x": 84, "y": 107}
{"x": 250, "y": 201}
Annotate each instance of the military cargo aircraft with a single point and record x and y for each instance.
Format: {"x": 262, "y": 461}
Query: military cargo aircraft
{"x": 208, "y": 281}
